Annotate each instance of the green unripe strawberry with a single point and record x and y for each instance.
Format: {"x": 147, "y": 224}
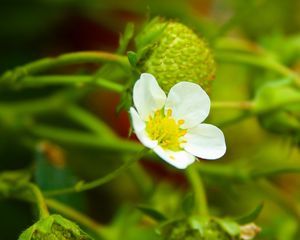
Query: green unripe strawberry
{"x": 172, "y": 52}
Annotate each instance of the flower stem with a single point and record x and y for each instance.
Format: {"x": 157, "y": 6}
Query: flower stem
{"x": 199, "y": 191}
{"x": 245, "y": 105}
{"x": 258, "y": 61}
{"x": 40, "y": 105}
{"x": 80, "y": 138}
{"x": 100, "y": 181}
{"x": 40, "y": 201}
{"x": 69, "y": 80}
{"x": 62, "y": 60}
{"x": 244, "y": 174}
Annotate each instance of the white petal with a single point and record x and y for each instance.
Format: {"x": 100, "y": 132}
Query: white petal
{"x": 189, "y": 102}
{"x": 147, "y": 95}
{"x": 139, "y": 127}
{"x": 205, "y": 141}
{"x": 180, "y": 159}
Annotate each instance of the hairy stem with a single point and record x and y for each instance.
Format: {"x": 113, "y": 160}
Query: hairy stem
{"x": 258, "y": 61}
{"x": 100, "y": 181}
{"x": 70, "y": 80}
{"x": 80, "y": 138}
{"x": 39, "y": 199}
{"x": 62, "y": 60}
{"x": 245, "y": 105}
{"x": 199, "y": 191}
{"x": 40, "y": 105}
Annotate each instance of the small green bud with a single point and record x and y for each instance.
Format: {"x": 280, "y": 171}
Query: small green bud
{"x": 278, "y": 107}
{"x": 12, "y": 181}
{"x": 54, "y": 227}
{"x": 172, "y": 52}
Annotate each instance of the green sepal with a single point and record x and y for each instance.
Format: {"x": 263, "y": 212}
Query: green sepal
{"x": 125, "y": 38}
{"x": 229, "y": 226}
{"x": 150, "y": 33}
{"x": 153, "y": 213}
{"x": 54, "y": 227}
{"x": 250, "y": 217}
{"x": 125, "y": 101}
{"x": 132, "y": 58}
{"x": 27, "y": 234}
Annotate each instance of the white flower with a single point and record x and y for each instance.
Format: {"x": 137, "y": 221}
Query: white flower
{"x": 171, "y": 126}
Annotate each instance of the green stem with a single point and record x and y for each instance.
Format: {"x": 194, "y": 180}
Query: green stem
{"x": 40, "y": 105}
{"x": 62, "y": 60}
{"x": 100, "y": 181}
{"x": 69, "y": 80}
{"x": 40, "y": 201}
{"x": 259, "y": 61}
{"x": 198, "y": 188}
{"x": 270, "y": 108}
{"x": 234, "y": 120}
{"x": 235, "y": 44}
{"x": 84, "y": 139}
{"x": 229, "y": 172}
{"x": 80, "y": 218}
{"x": 244, "y": 105}
{"x": 275, "y": 171}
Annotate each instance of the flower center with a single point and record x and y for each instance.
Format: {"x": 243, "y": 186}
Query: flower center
{"x": 166, "y": 130}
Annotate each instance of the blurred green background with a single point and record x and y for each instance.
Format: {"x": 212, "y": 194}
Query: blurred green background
{"x": 30, "y": 30}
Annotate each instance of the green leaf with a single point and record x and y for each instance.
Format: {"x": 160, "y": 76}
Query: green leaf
{"x": 153, "y": 213}
{"x": 250, "y": 217}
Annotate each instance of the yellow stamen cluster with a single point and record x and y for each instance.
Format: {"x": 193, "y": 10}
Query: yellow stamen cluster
{"x": 163, "y": 128}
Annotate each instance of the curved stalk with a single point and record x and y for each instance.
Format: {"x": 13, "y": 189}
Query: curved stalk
{"x": 46, "y": 64}
{"x": 39, "y": 199}
{"x": 258, "y": 61}
{"x": 100, "y": 181}
{"x": 69, "y": 80}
